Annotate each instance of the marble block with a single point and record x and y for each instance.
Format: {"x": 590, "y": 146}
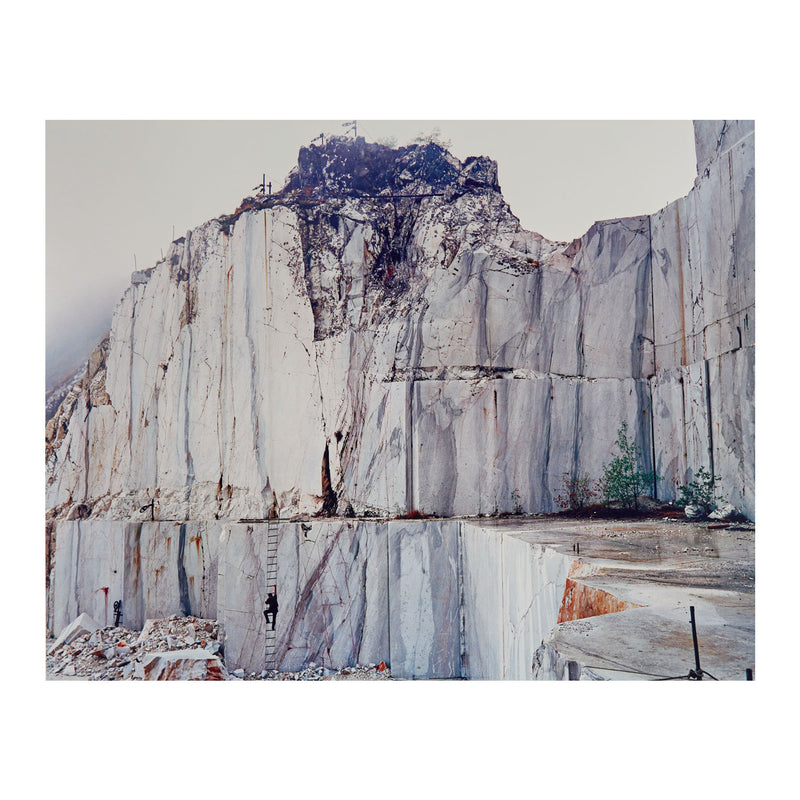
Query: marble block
{"x": 169, "y": 569}
{"x": 424, "y": 601}
{"x": 241, "y": 594}
{"x": 88, "y": 575}
{"x": 483, "y": 607}
{"x": 333, "y": 592}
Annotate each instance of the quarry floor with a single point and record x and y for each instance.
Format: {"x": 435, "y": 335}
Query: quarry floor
{"x": 660, "y": 567}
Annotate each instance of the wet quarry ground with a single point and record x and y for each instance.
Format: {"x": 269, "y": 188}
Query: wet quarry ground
{"x": 634, "y": 583}
{"x": 686, "y": 553}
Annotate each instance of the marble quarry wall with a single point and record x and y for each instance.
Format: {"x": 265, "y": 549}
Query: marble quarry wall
{"x": 512, "y": 592}
{"x": 387, "y": 338}
{"x": 432, "y": 598}
{"x": 703, "y": 252}
{"x": 155, "y": 568}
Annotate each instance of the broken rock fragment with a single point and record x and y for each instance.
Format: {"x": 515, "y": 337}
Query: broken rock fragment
{"x": 81, "y": 625}
{"x": 183, "y": 665}
{"x": 723, "y": 512}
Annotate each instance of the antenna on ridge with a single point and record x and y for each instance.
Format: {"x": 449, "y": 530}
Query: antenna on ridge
{"x": 352, "y": 125}
{"x": 321, "y": 138}
{"x": 261, "y": 188}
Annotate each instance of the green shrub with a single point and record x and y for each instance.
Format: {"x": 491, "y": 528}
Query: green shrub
{"x": 700, "y": 491}
{"x": 577, "y": 491}
{"x": 623, "y": 479}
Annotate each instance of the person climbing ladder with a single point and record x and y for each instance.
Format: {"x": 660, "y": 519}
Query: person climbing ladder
{"x": 271, "y": 606}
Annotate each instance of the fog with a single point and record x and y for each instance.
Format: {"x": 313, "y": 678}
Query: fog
{"x": 118, "y": 192}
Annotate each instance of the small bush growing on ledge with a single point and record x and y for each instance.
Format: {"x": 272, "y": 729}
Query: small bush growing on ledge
{"x": 576, "y": 491}
{"x": 623, "y": 480}
{"x": 700, "y": 491}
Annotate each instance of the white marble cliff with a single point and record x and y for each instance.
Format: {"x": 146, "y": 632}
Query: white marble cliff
{"x": 383, "y": 336}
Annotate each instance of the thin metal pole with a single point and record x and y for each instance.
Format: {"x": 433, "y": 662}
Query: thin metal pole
{"x": 696, "y": 649}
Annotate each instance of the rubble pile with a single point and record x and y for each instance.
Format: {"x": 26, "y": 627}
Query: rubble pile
{"x": 175, "y": 648}
{"x": 116, "y": 653}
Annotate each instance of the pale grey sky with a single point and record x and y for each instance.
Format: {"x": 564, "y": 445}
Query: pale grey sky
{"x": 115, "y": 189}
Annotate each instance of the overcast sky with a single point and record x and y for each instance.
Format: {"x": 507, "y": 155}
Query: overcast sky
{"x": 115, "y": 189}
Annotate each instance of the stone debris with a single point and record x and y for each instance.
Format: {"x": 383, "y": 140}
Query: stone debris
{"x": 360, "y": 672}
{"x": 175, "y": 648}
{"x": 79, "y": 627}
{"x": 723, "y": 511}
{"x": 695, "y": 511}
{"x": 116, "y": 653}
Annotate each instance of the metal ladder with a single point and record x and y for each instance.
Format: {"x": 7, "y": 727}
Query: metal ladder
{"x": 271, "y": 578}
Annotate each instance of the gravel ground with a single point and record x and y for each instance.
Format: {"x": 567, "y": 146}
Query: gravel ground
{"x": 362, "y": 672}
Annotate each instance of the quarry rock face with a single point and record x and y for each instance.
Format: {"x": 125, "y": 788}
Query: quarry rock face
{"x": 382, "y": 336}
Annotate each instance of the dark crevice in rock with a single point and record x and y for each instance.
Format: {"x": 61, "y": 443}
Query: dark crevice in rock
{"x": 329, "y": 499}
